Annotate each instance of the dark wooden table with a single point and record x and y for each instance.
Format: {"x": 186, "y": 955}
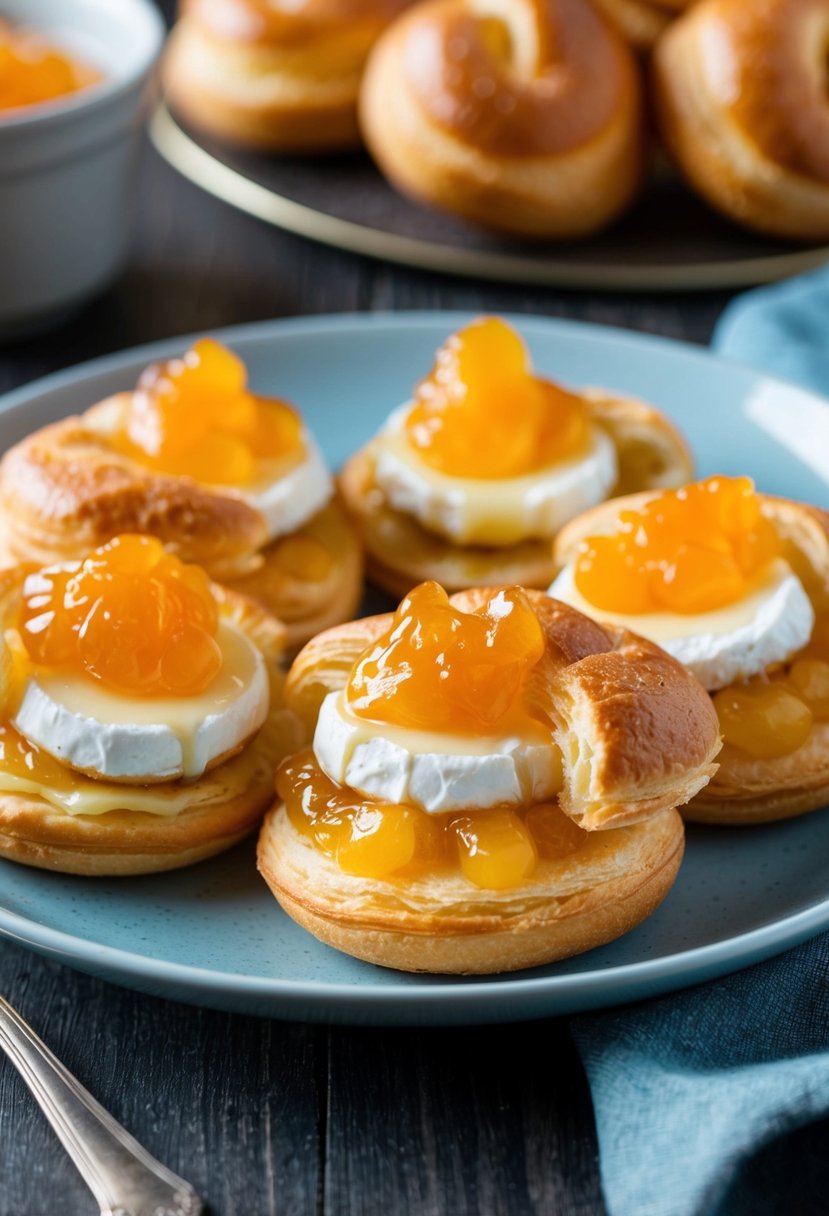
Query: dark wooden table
{"x": 267, "y": 1117}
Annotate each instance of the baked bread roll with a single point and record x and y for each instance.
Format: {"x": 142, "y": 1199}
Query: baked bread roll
{"x": 524, "y": 117}
{"x": 642, "y": 21}
{"x": 740, "y": 95}
{"x": 276, "y": 76}
{"x": 774, "y": 704}
{"x": 58, "y": 813}
{"x": 285, "y": 541}
{"x": 636, "y": 735}
{"x": 419, "y": 522}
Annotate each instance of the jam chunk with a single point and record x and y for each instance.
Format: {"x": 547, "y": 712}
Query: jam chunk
{"x": 195, "y": 417}
{"x": 129, "y": 615}
{"x": 494, "y": 849}
{"x": 441, "y": 669}
{"x": 482, "y": 413}
{"x": 690, "y": 550}
{"x": 32, "y": 71}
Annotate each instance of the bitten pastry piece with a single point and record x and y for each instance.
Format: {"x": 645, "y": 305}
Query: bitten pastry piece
{"x": 141, "y": 713}
{"x": 642, "y": 21}
{"x": 491, "y": 784}
{"x": 229, "y": 480}
{"x": 274, "y": 75}
{"x": 742, "y": 103}
{"x": 525, "y": 117}
{"x": 469, "y": 481}
{"x": 736, "y": 585}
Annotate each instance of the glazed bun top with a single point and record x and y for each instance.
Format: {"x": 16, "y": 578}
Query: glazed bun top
{"x": 287, "y": 22}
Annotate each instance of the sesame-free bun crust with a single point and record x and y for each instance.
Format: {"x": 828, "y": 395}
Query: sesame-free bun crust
{"x": 642, "y": 21}
{"x": 280, "y": 79}
{"x": 400, "y": 552}
{"x": 64, "y": 491}
{"x": 637, "y": 733}
{"x": 748, "y": 790}
{"x": 223, "y": 805}
{"x": 442, "y": 923}
{"x": 740, "y": 95}
{"x": 541, "y": 135}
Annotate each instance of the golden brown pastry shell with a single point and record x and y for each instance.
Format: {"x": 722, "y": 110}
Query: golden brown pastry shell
{"x": 227, "y": 802}
{"x": 400, "y": 552}
{"x": 442, "y": 923}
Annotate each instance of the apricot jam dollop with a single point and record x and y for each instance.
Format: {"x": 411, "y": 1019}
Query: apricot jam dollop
{"x": 481, "y": 412}
{"x": 494, "y": 849}
{"x": 438, "y": 668}
{"x": 195, "y": 417}
{"x": 772, "y": 714}
{"x": 690, "y": 550}
{"x": 32, "y": 71}
{"x": 130, "y": 615}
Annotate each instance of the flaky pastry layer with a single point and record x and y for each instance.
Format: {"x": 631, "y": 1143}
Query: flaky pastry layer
{"x": 441, "y": 923}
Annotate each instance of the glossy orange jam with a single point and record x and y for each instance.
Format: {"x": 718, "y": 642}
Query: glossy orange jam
{"x": 437, "y": 668}
{"x": 129, "y": 615}
{"x": 687, "y": 551}
{"x": 23, "y": 759}
{"x": 32, "y": 71}
{"x": 194, "y": 417}
{"x": 494, "y": 849}
{"x": 772, "y": 714}
{"x": 482, "y": 413}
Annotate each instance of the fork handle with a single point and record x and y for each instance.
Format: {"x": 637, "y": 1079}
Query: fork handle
{"x": 123, "y": 1177}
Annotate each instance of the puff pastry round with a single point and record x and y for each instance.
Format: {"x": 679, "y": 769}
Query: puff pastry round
{"x": 742, "y": 105}
{"x": 400, "y": 552}
{"x": 64, "y": 491}
{"x": 745, "y": 790}
{"x": 223, "y": 805}
{"x": 524, "y": 117}
{"x": 638, "y": 736}
{"x": 276, "y": 76}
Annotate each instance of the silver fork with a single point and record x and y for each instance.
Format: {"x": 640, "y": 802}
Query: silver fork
{"x": 123, "y": 1177}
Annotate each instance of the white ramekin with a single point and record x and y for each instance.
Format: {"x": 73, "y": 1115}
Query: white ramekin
{"x": 67, "y": 167}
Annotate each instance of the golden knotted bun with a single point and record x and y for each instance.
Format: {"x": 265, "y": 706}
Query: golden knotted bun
{"x": 742, "y": 102}
{"x": 65, "y": 490}
{"x": 523, "y": 116}
{"x": 642, "y": 21}
{"x": 400, "y": 552}
{"x": 283, "y": 77}
{"x": 636, "y": 731}
{"x": 222, "y": 806}
{"x": 442, "y": 924}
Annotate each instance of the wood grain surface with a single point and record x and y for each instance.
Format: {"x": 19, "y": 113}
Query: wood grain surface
{"x": 265, "y": 1117}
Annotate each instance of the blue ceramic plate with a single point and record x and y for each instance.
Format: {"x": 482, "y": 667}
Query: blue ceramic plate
{"x": 213, "y": 934}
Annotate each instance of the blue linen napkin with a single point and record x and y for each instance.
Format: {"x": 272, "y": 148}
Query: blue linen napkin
{"x": 699, "y": 1096}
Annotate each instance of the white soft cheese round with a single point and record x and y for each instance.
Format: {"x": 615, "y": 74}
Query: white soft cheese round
{"x": 437, "y": 773}
{"x": 291, "y": 497}
{"x": 505, "y": 511}
{"x": 105, "y": 733}
{"x": 768, "y": 625}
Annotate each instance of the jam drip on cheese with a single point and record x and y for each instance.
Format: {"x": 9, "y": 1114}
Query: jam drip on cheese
{"x": 688, "y": 551}
{"x": 772, "y": 715}
{"x": 481, "y": 413}
{"x": 493, "y": 849}
{"x": 32, "y": 71}
{"x": 130, "y": 615}
{"x": 440, "y": 669}
{"x": 195, "y": 417}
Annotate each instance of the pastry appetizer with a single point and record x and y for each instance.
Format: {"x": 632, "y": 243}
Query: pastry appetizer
{"x": 736, "y": 586}
{"x": 491, "y": 786}
{"x": 141, "y": 717}
{"x": 525, "y": 117}
{"x": 226, "y": 479}
{"x": 470, "y": 480}
{"x": 741, "y": 100}
{"x": 279, "y": 76}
